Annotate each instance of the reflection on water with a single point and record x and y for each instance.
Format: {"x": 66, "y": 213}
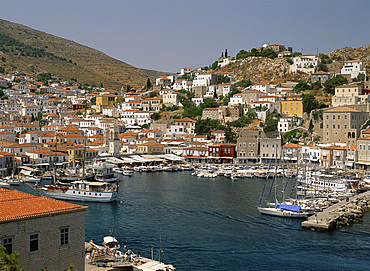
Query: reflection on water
{"x": 213, "y": 224}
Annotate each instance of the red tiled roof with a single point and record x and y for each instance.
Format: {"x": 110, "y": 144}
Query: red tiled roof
{"x": 16, "y": 205}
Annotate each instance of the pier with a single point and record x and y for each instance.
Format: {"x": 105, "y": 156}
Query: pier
{"x": 343, "y": 213}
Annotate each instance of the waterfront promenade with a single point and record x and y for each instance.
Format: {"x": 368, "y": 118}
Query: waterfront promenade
{"x": 342, "y": 213}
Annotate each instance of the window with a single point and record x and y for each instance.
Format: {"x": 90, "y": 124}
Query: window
{"x": 339, "y": 117}
{"x": 64, "y": 236}
{"x": 34, "y": 242}
{"x": 8, "y": 244}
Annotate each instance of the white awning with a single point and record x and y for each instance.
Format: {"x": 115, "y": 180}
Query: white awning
{"x": 154, "y": 158}
{"x": 139, "y": 159}
{"x": 173, "y": 157}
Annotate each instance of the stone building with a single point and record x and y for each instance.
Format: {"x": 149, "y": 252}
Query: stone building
{"x": 319, "y": 76}
{"x": 343, "y": 125}
{"x": 152, "y": 104}
{"x": 247, "y": 150}
{"x": 230, "y": 112}
{"x": 210, "y": 113}
{"x": 111, "y": 140}
{"x": 47, "y": 233}
{"x": 270, "y": 150}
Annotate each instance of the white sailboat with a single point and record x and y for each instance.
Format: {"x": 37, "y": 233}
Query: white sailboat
{"x": 282, "y": 210}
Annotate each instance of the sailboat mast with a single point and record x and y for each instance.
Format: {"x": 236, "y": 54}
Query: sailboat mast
{"x": 83, "y": 158}
{"x": 276, "y": 173}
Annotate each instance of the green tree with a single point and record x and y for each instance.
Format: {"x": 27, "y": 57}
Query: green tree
{"x": 325, "y": 59}
{"x": 309, "y": 102}
{"x": 360, "y": 77}
{"x": 222, "y": 79}
{"x": 270, "y": 124}
{"x": 203, "y": 127}
{"x": 310, "y": 126}
{"x": 93, "y": 100}
{"x": 2, "y": 70}
{"x": 241, "y": 122}
{"x": 148, "y": 84}
{"x": 242, "y": 54}
{"x": 317, "y": 114}
{"x": 316, "y": 85}
{"x": 209, "y": 103}
{"x": 39, "y": 116}
{"x": 301, "y": 86}
{"x": 44, "y": 77}
{"x": 8, "y": 262}
{"x": 269, "y": 53}
{"x": 189, "y": 94}
{"x": 214, "y": 65}
{"x": 156, "y": 116}
{"x": 290, "y": 135}
{"x": 153, "y": 94}
{"x": 230, "y": 135}
{"x": 245, "y": 83}
{"x": 323, "y": 67}
{"x": 290, "y": 61}
{"x": 330, "y": 84}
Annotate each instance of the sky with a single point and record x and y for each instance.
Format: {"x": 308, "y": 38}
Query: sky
{"x": 167, "y": 35}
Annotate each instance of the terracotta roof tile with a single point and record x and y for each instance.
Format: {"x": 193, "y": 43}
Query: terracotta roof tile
{"x": 16, "y": 205}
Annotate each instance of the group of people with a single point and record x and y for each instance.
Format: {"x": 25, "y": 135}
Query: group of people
{"x": 128, "y": 255}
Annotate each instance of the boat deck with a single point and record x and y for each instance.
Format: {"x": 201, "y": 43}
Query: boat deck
{"x": 144, "y": 264}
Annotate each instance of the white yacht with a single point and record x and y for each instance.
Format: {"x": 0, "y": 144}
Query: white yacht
{"x": 81, "y": 191}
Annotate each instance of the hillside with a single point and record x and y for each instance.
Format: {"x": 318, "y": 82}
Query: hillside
{"x": 32, "y": 51}
{"x": 262, "y": 70}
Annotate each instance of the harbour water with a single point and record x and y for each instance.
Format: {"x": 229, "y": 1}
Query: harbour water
{"x": 213, "y": 224}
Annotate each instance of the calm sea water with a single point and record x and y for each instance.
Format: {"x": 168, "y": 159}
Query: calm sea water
{"x": 213, "y": 224}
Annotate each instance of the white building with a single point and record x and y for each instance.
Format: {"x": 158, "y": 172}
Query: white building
{"x": 304, "y": 63}
{"x": 349, "y": 94}
{"x": 197, "y": 101}
{"x": 237, "y": 99}
{"x": 285, "y": 124}
{"x": 352, "y": 67}
{"x": 205, "y": 79}
{"x": 170, "y": 99}
{"x": 182, "y": 84}
{"x": 267, "y": 88}
{"x": 185, "y": 70}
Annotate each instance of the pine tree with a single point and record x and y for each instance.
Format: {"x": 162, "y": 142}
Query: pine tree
{"x": 222, "y": 54}
{"x": 148, "y": 84}
{"x": 225, "y": 52}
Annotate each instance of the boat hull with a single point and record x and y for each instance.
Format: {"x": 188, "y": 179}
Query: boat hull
{"x": 281, "y": 213}
{"x": 76, "y": 195}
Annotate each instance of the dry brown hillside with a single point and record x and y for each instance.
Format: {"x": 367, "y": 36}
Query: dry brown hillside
{"x": 72, "y": 60}
{"x": 262, "y": 70}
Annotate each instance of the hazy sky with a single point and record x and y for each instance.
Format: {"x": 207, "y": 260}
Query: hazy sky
{"x": 167, "y": 35}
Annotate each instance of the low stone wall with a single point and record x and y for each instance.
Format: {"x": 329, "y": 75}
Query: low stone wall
{"x": 353, "y": 212}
